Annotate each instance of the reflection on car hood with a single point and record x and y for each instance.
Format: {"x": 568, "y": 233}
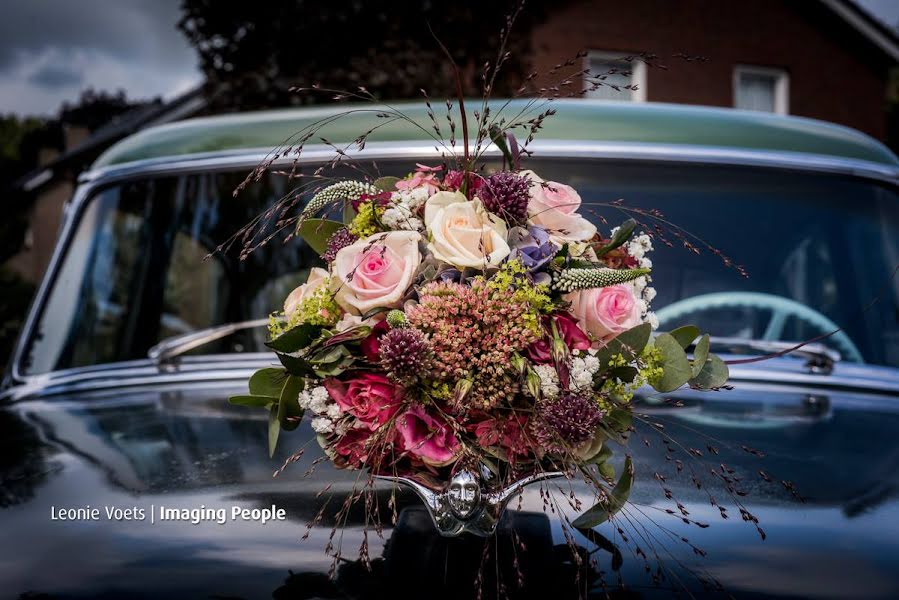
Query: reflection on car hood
{"x": 184, "y": 447}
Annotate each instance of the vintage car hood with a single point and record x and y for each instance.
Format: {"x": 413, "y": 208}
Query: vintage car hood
{"x": 182, "y": 446}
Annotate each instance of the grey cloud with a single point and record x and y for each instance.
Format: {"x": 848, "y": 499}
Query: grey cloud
{"x": 55, "y": 77}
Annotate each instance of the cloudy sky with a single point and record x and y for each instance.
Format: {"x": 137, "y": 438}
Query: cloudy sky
{"x": 50, "y": 50}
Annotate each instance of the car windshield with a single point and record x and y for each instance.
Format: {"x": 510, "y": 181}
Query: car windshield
{"x": 818, "y": 249}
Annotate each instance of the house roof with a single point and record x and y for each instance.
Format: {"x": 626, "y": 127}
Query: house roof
{"x": 870, "y": 27}
{"x": 585, "y": 120}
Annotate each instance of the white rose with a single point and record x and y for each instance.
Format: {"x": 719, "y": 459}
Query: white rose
{"x": 317, "y": 278}
{"x": 554, "y": 206}
{"x": 463, "y": 233}
{"x": 375, "y": 271}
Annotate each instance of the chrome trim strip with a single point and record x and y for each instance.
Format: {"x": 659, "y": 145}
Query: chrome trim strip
{"x": 669, "y": 153}
{"x": 676, "y": 153}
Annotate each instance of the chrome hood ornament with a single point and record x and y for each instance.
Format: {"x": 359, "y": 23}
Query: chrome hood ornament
{"x": 468, "y": 503}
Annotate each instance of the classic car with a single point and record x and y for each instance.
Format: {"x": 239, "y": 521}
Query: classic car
{"x": 126, "y": 474}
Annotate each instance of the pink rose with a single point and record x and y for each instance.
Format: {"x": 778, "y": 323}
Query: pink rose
{"x": 370, "y": 397}
{"x": 424, "y": 176}
{"x": 427, "y": 437}
{"x": 605, "y": 312}
{"x": 541, "y": 351}
{"x": 554, "y": 207}
{"x": 376, "y": 271}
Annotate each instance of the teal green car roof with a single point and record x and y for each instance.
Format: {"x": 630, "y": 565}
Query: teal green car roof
{"x": 580, "y": 120}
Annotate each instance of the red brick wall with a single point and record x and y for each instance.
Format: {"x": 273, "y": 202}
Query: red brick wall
{"x": 835, "y": 73}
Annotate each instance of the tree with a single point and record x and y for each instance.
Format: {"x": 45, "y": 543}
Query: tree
{"x": 252, "y": 53}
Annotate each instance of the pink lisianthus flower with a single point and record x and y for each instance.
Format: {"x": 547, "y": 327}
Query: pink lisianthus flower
{"x": 540, "y": 351}
{"x": 427, "y": 437}
{"x": 424, "y": 176}
{"x": 453, "y": 181}
{"x": 605, "y": 312}
{"x": 370, "y": 397}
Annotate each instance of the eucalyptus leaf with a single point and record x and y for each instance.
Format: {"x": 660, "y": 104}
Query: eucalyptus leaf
{"x": 268, "y": 382}
{"x": 624, "y": 374}
{"x": 289, "y": 411}
{"x": 625, "y": 230}
{"x": 252, "y": 401}
{"x": 603, "y": 511}
{"x": 295, "y": 338}
{"x": 386, "y": 184}
{"x": 701, "y": 354}
{"x": 294, "y": 364}
{"x": 317, "y": 232}
{"x": 714, "y": 374}
{"x": 274, "y": 428}
{"x": 628, "y": 343}
{"x": 676, "y": 368}
{"x": 685, "y": 335}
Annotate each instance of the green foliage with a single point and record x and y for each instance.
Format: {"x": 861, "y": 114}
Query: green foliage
{"x": 317, "y": 232}
{"x": 714, "y": 374}
{"x": 685, "y": 335}
{"x": 295, "y": 338}
{"x": 268, "y": 382}
{"x": 700, "y": 354}
{"x": 677, "y": 370}
{"x": 603, "y": 511}
{"x": 386, "y": 184}
{"x": 625, "y": 230}
{"x": 629, "y": 344}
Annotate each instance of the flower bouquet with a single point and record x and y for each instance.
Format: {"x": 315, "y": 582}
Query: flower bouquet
{"x": 473, "y": 332}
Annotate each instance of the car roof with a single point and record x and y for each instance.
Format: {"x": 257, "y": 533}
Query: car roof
{"x": 581, "y": 120}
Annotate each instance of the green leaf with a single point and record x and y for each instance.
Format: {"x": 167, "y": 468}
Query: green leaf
{"x": 685, "y": 335}
{"x": 268, "y": 382}
{"x": 294, "y": 364}
{"x": 602, "y": 512}
{"x": 621, "y": 236}
{"x": 714, "y": 374}
{"x": 628, "y": 343}
{"x": 676, "y": 367}
{"x": 700, "y": 354}
{"x": 317, "y": 232}
{"x": 607, "y": 470}
{"x": 295, "y": 338}
{"x": 375, "y": 311}
{"x": 386, "y": 184}
{"x": 253, "y": 401}
{"x": 289, "y": 411}
{"x": 349, "y": 213}
{"x": 274, "y": 428}
{"x": 604, "y": 454}
{"x": 498, "y": 137}
{"x": 624, "y": 374}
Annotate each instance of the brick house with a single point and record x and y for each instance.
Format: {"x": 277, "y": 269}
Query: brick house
{"x": 826, "y": 59}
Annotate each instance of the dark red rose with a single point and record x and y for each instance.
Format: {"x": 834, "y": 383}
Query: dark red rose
{"x": 540, "y": 351}
{"x": 371, "y": 345}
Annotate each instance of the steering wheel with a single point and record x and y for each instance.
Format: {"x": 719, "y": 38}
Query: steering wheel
{"x": 780, "y": 307}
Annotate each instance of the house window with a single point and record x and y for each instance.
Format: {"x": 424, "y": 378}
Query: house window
{"x": 763, "y": 89}
{"x": 609, "y": 69}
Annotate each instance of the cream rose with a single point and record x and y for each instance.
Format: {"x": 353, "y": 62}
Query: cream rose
{"x": 463, "y": 233}
{"x": 605, "y": 312}
{"x": 375, "y": 271}
{"x": 554, "y": 207}
{"x": 317, "y": 278}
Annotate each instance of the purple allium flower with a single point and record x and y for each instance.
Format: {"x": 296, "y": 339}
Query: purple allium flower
{"x": 532, "y": 247}
{"x": 564, "y": 423}
{"x": 405, "y": 353}
{"x": 506, "y": 194}
{"x": 339, "y": 239}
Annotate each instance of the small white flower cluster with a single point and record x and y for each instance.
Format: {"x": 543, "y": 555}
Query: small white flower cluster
{"x": 326, "y": 410}
{"x": 637, "y": 248}
{"x": 582, "y": 370}
{"x": 401, "y": 215}
{"x": 549, "y": 381}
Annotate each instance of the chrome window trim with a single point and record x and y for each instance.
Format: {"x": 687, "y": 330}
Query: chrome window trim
{"x": 231, "y": 160}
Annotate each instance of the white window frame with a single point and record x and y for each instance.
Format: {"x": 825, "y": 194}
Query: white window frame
{"x": 636, "y": 67}
{"x": 781, "y": 85}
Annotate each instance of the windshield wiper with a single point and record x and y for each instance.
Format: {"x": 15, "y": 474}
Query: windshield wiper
{"x": 819, "y": 358}
{"x": 174, "y": 346}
